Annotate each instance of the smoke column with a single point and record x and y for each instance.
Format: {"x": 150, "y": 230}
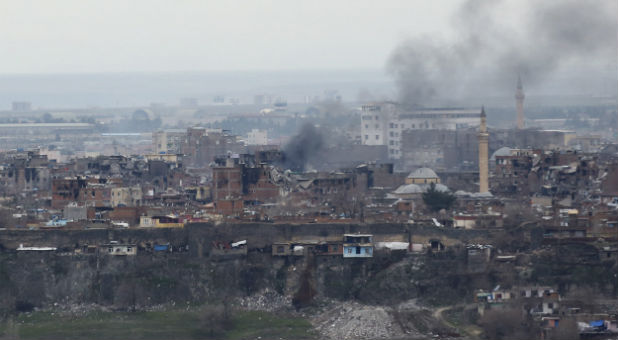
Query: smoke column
{"x": 488, "y": 54}
{"x": 303, "y": 148}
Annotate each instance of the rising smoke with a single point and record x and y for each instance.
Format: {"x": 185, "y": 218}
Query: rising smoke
{"x": 487, "y": 53}
{"x": 303, "y": 149}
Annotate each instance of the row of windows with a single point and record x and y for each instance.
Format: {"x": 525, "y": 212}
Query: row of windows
{"x": 118, "y": 250}
{"x": 367, "y": 126}
{"x": 367, "y": 137}
{"x": 369, "y": 118}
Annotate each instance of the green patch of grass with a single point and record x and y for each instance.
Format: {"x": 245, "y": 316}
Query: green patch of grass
{"x": 171, "y": 324}
{"x": 250, "y": 325}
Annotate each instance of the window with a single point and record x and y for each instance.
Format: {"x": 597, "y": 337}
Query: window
{"x": 358, "y": 250}
{"x": 110, "y": 250}
{"x": 392, "y": 143}
{"x": 392, "y": 125}
{"x": 279, "y": 249}
{"x": 335, "y": 247}
{"x": 366, "y": 126}
{"x": 349, "y": 250}
{"x": 392, "y": 134}
{"x": 366, "y": 137}
{"x": 377, "y": 126}
{"x": 377, "y": 137}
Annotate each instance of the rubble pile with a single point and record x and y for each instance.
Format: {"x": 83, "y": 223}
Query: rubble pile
{"x": 356, "y": 321}
{"x": 268, "y": 301}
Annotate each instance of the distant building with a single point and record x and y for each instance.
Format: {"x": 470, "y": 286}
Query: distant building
{"x": 531, "y": 138}
{"x": 202, "y": 145}
{"x": 422, "y": 176}
{"x": 189, "y": 102}
{"x": 22, "y": 106}
{"x": 257, "y": 137}
{"x": 440, "y": 149}
{"x": 168, "y": 141}
{"x": 383, "y": 123}
{"x": 126, "y": 196}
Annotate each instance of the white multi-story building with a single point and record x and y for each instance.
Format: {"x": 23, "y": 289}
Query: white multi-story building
{"x": 382, "y": 123}
{"x": 257, "y": 137}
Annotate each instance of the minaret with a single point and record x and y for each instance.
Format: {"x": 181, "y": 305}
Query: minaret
{"x": 519, "y": 97}
{"x": 483, "y": 150}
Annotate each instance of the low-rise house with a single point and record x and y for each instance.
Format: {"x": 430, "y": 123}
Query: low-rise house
{"x": 478, "y": 221}
{"x": 537, "y": 292}
{"x": 160, "y": 222}
{"x": 302, "y": 248}
{"x": 329, "y": 248}
{"x": 547, "y": 307}
{"x": 116, "y": 249}
{"x": 357, "y": 245}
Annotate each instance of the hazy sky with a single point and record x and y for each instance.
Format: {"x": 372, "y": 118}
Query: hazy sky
{"x": 58, "y": 36}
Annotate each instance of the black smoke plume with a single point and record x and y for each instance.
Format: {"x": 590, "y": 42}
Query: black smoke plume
{"x": 303, "y": 148}
{"x": 488, "y": 54}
